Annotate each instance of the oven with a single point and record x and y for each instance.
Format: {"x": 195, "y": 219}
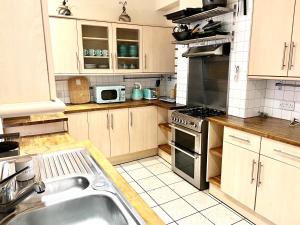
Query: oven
{"x": 189, "y": 155}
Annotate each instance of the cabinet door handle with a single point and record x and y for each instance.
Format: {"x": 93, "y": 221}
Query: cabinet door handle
{"x": 131, "y": 119}
{"x": 145, "y": 61}
{"x": 107, "y": 121}
{"x": 112, "y": 121}
{"x": 286, "y": 154}
{"x": 112, "y": 60}
{"x": 240, "y": 139}
{"x": 260, "y": 165}
{"x": 292, "y": 56}
{"x": 252, "y": 171}
{"x": 285, "y": 46}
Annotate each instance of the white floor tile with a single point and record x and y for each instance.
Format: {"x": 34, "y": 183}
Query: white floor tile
{"x": 220, "y": 215}
{"x": 196, "y": 219}
{"x": 178, "y": 209}
{"x": 139, "y": 174}
{"x": 183, "y": 188}
{"x": 148, "y": 200}
{"x": 131, "y": 166}
{"x": 163, "y": 195}
{"x": 149, "y": 161}
{"x": 127, "y": 177}
{"x": 119, "y": 169}
{"x": 200, "y": 200}
{"x": 150, "y": 183}
{"x": 136, "y": 187}
{"x": 162, "y": 215}
{"x": 169, "y": 178}
{"x": 243, "y": 222}
{"x": 158, "y": 168}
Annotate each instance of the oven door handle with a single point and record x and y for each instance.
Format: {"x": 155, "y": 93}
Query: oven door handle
{"x": 172, "y": 144}
{"x": 184, "y": 131}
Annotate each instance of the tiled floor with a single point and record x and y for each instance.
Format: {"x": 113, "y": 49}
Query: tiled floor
{"x": 173, "y": 199}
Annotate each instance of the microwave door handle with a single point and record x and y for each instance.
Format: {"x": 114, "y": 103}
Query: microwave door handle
{"x": 172, "y": 144}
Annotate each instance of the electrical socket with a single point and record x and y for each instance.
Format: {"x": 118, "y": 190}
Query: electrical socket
{"x": 288, "y": 106}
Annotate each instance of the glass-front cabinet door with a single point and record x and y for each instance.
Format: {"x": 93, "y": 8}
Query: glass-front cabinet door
{"x": 127, "y": 48}
{"x": 95, "y": 47}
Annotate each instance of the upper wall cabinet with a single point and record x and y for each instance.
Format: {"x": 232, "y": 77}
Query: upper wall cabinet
{"x": 25, "y": 73}
{"x": 158, "y": 52}
{"x": 95, "y": 47}
{"x": 64, "y": 45}
{"x": 272, "y": 52}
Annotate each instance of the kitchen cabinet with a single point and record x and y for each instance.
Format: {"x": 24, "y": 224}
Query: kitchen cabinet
{"x": 143, "y": 128}
{"x": 119, "y": 133}
{"x": 25, "y": 65}
{"x": 270, "y": 51}
{"x": 238, "y": 178}
{"x": 64, "y": 45}
{"x": 158, "y": 50}
{"x": 78, "y": 126}
{"x": 95, "y": 47}
{"x": 99, "y": 130}
{"x": 127, "y": 44}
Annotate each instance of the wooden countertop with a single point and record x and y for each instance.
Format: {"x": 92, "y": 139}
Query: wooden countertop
{"x": 34, "y": 119}
{"x": 63, "y": 141}
{"x": 276, "y": 129}
{"x": 128, "y": 104}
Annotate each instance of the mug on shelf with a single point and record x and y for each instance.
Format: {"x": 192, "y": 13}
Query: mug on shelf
{"x": 85, "y": 52}
{"x": 91, "y": 52}
{"x": 105, "y": 52}
{"x": 98, "y": 52}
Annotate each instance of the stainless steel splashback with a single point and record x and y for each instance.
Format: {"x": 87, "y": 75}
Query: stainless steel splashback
{"x": 208, "y": 81}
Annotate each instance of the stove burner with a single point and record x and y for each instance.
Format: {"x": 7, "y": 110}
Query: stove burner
{"x": 201, "y": 112}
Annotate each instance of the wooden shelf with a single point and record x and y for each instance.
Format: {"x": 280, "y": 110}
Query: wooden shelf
{"x": 166, "y": 148}
{"x": 215, "y": 180}
{"x": 165, "y": 126}
{"x": 216, "y": 151}
{"x": 95, "y": 39}
{"x": 96, "y": 57}
{"x": 128, "y": 57}
{"x": 127, "y": 40}
{"x": 204, "y": 15}
{"x": 199, "y": 40}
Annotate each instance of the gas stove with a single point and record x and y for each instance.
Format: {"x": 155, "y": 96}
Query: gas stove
{"x": 192, "y": 117}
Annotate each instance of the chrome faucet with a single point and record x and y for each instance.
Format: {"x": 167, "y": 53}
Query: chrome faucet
{"x": 10, "y": 196}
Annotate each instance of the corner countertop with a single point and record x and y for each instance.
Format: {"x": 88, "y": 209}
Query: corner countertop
{"x": 128, "y": 104}
{"x": 63, "y": 141}
{"x": 272, "y": 128}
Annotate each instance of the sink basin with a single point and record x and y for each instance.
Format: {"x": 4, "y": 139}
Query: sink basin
{"x": 86, "y": 210}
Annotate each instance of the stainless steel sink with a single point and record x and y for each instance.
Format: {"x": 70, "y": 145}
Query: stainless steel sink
{"x": 86, "y": 197}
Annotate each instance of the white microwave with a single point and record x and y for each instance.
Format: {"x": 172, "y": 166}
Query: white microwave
{"x": 109, "y": 94}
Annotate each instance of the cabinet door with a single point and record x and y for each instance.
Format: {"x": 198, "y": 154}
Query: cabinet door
{"x": 143, "y": 128}
{"x": 119, "y": 134}
{"x": 158, "y": 50}
{"x": 78, "y": 126}
{"x": 127, "y": 48}
{"x": 278, "y": 195}
{"x": 64, "y": 45}
{"x": 271, "y": 36}
{"x": 99, "y": 127}
{"x": 239, "y": 172}
{"x": 23, "y": 61}
{"x": 294, "y": 65}
{"x": 95, "y": 47}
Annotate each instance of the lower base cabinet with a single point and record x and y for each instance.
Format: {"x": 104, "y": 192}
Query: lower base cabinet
{"x": 78, "y": 126}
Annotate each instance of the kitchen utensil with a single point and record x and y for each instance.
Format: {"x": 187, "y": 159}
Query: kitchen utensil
{"x": 195, "y": 29}
{"x": 90, "y": 66}
{"x": 245, "y": 7}
{"x": 98, "y": 52}
{"x": 91, "y": 52}
{"x": 150, "y": 93}
{"x": 183, "y": 13}
{"x": 103, "y": 66}
{"x": 212, "y": 25}
{"x": 124, "y": 66}
{"x": 157, "y": 88}
{"x": 22, "y": 163}
{"x": 9, "y": 148}
{"x": 211, "y": 4}
{"x": 133, "y": 50}
{"x": 137, "y": 93}
{"x": 132, "y": 66}
{"x": 123, "y": 49}
{"x": 181, "y": 32}
{"x": 105, "y": 52}
{"x": 64, "y": 9}
{"x": 85, "y": 52}
{"x": 79, "y": 90}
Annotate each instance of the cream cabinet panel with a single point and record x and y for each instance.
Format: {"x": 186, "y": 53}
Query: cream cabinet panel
{"x": 99, "y": 128}
{"x": 143, "y": 128}
{"x": 271, "y": 36}
{"x": 119, "y": 133}
{"x": 78, "y": 126}
{"x": 239, "y": 170}
{"x": 278, "y": 195}
{"x": 294, "y": 64}
{"x": 23, "y": 62}
{"x": 158, "y": 50}
{"x": 64, "y": 45}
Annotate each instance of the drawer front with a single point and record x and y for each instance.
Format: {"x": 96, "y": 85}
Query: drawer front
{"x": 242, "y": 139}
{"x": 282, "y": 152}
